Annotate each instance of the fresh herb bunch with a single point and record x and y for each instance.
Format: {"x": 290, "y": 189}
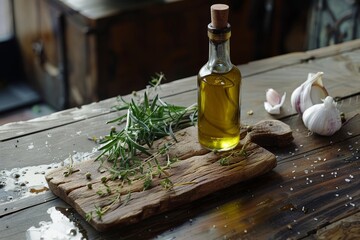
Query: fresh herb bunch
{"x": 146, "y": 119}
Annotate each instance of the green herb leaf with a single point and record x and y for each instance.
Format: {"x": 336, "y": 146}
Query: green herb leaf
{"x": 147, "y": 118}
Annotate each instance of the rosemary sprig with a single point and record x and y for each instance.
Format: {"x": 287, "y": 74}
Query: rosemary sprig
{"x": 146, "y": 169}
{"x": 226, "y": 160}
{"x": 70, "y": 167}
{"x": 100, "y": 211}
{"x": 146, "y": 121}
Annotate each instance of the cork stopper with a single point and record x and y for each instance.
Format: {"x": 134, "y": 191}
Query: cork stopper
{"x": 219, "y": 15}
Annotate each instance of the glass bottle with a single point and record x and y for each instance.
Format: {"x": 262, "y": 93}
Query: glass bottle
{"x": 219, "y": 83}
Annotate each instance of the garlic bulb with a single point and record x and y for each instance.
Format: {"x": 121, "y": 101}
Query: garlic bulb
{"x": 311, "y": 92}
{"x": 273, "y": 101}
{"x": 324, "y": 118}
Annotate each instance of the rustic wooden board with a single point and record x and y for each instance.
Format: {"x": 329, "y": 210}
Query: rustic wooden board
{"x": 197, "y": 174}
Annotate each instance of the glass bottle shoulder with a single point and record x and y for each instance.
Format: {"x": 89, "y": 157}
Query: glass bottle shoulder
{"x": 233, "y": 73}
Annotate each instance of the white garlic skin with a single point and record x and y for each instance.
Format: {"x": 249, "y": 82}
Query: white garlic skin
{"x": 323, "y": 118}
{"x": 295, "y": 99}
{"x": 274, "y": 101}
{"x": 309, "y": 93}
{"x": 273, "y": 97}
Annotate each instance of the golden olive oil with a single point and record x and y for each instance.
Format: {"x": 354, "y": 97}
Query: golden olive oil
{"x": 219, "y": 84}
{"x": 219, "y": 109}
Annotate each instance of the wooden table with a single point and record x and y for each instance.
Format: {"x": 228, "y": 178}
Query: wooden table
{"x": 312, "y": 193}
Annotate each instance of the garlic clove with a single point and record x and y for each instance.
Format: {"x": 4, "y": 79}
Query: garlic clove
{"x": 273, "y": 101}
{"x": 311, "y": 92}
{"x": 295, "y": 98}
{"x": 323, "y": 118}
{"x": 318, "y": 93}
{"x": 272, "y": 97}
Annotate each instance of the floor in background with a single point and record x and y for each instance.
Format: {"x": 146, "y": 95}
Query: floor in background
{"x": 25, "y": 113}
{"x": 18, "y": 102}
{"x": 15, "y": 95}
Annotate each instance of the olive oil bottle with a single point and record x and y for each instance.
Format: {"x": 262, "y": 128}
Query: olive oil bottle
{"x": 219, "y": 83}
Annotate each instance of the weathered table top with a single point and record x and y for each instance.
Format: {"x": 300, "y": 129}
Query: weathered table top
{"x": 312, "y": 193}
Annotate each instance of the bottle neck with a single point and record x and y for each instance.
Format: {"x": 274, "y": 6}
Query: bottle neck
{"x": 219, "y": 57}
{"x": 219, "y": 50}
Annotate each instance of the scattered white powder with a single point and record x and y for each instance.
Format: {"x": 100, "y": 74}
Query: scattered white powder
{"x": 60, "y": 227}
{"x": 18, "y": 183}
{"x": 31, "y": 146}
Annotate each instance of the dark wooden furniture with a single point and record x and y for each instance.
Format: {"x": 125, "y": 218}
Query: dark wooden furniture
{"x": 313, "y": 192}
{"x": 76, "y": 52}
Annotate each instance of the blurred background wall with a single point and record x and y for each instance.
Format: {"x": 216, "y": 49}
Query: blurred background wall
{"x": 6, "y": 27}
{"x": 67, "y": 53}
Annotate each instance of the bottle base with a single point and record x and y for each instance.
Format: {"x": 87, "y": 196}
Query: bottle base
{"x": 220, "y": 145}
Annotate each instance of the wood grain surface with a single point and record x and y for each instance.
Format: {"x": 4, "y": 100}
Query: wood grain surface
{"x": 312, "y": 193}
{"x": 197, "y": 174}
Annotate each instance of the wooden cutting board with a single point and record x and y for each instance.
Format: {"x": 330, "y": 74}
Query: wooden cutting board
{"x": 196, "y": 174}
